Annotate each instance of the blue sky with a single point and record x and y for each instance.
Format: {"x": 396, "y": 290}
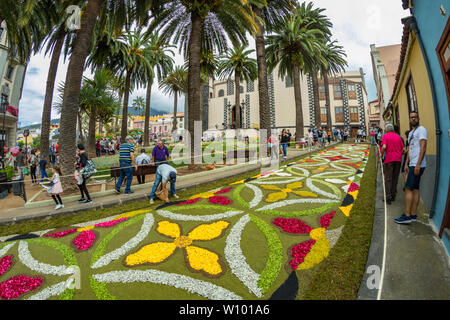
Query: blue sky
{"x": 357, "y": 24}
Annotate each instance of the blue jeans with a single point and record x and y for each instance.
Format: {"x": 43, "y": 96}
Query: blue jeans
{"x": 127, "y": 172}
{"x": 284, "y": 145}
{"x": 43, "y": 174}
{"x": 158, "y": 179}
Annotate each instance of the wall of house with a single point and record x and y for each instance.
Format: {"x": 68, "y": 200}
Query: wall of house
{"x": 432, "y": 24}
{"x": 416, "y": 67}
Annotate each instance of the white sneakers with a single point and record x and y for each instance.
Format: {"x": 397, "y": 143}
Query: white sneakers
{"x": 59, "y": 206}
{"x": 177, "y": 197}
{"x": 152, "y": 201}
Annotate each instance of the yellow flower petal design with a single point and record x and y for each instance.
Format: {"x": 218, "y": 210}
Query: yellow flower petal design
{"x": 276, "y": 196}
{"x": 169, "y": 229}
{"x": 208, "y": 231}
{"x": 153, "y": 253}
{"x": 238, "y": 182}
{"x": 270, "y": 187}
{"x": 202, "y": 259}
{"x": 132, "y": 214}
{"x": 354, "y": 194}
{"x": 204, "y": 195}
{"x": 319, "y": 251}
{"x": 305, "y": 194}
{"x": 317, "y": 234}
{"x": 85, "y": 228}
{"x": 295, "y": 185}
{"x": 346, "y": 210}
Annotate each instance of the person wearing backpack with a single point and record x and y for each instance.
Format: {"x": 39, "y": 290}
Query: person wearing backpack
{"x": 82, "y": 162}
{"x": 142, "y": 159}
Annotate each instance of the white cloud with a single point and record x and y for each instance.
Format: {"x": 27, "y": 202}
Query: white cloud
{"x": 357, "y": 24}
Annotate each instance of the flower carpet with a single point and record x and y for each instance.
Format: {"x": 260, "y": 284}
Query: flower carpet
{"x": 255, "y": 238}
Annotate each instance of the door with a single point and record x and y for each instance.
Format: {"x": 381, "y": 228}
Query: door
{"x": 443, "y": 52}
{"x": 354, "y": 131}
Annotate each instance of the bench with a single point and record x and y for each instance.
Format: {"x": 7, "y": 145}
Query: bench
{"x": 141, "y": 171}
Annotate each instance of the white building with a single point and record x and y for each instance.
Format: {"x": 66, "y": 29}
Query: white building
{"x": 12, "y": 74}
{"x": 349, "y": 103}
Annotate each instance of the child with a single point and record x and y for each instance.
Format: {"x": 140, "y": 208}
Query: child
{"x": 303, "y": 142}
{"x": 56, "y": 187}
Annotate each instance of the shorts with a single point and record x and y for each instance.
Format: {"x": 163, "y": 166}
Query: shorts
{"x": 413, "y": 181}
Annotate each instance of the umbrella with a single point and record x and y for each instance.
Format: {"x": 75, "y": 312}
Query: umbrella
{"x": 14, "y": 151}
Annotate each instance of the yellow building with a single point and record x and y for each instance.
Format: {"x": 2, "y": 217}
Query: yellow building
{"x": 412, "y": 92}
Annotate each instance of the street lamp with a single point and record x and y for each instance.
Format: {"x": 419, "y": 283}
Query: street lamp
{"x": 3, "y": 108}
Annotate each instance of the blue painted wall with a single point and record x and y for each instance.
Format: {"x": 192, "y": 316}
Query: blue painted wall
{"x": 431, "y": 24}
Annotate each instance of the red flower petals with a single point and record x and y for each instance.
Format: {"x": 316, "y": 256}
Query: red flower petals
{"x": 353, "y": 187}
{"x": 299, "y": 253}
{"x": 292, "y": 225}
{"x": 219, "y": 200}
{"x": 223, "y": 191}
{"x": 85, "y": 240}
{"x": 18, "y": 285}
{"x": 326, "y": 219}
{"x": 109, "y": 223}
{"x": 60, "y": 234}
{"x": 5, "y": 264}
{"x": 190, "y": 201}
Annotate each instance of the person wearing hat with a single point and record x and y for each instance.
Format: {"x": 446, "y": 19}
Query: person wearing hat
{"x": 164, "y": 173}
{"x": 126, "y": 158}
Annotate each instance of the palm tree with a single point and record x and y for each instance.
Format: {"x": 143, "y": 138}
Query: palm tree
{"x": 293, "y": 46}
{"x": 202, "y": 25}
{"x": 163, "y": 63}
{"x": 174, "y": 84}
{"x": 139, "y": 104}
{"x": 238, "y": 61}
{"x": 315, "y": 21}
{"x": 334, "y": 58}
{"x": 271, "y": 15}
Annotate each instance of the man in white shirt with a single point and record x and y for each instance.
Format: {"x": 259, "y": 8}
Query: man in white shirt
{"x": 414, "y": 167}
{"x": 142, "y": 159}
{"x": 164, "y": 173}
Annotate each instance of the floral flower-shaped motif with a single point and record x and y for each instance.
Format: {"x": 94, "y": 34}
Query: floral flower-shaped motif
{"x": 60, "y": 234}
{"x": 5, "y": 264}
{"x": 292, "y": 225}
{"x": 198, "y": 259}
{"x": 283, "y": 193}
{"x": 326, "y": 219}
{"x": 18, "y": 285}
{"x": 85, "y": 240}
{"x": 211, "y": 196}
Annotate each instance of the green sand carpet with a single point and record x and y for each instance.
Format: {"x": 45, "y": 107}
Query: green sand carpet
{"x": 256, "y": 238}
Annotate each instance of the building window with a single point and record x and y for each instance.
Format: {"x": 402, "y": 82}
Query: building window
{"x": 9, "y": 72}
{"x": 323, "y": 115}
{"x": 221, "y": 93}
{"x": 241, "y": 89}
{"x": 411, "y": 94}
{"x": 289, "y": 82}
{"x": 351, "y": 89}
{"x": 1, "y": 33}
{"x": 322, "y": 92}
{"x": 337, "y": 91}
{"x": 339, "y": 114}
{"x": 354, "y": 114}
{"x": 210, "y": 95}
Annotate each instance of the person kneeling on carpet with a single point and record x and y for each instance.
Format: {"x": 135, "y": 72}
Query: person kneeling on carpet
{"x": 164, "y": 173}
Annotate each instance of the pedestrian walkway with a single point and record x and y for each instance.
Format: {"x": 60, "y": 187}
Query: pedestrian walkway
{"x": 109, "y": 199}
{"x": 417, "y": 266}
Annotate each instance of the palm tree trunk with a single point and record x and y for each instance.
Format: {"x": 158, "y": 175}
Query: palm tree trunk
{"x": 80, "y": 128}
{"x": 194, "y": 78}
{"x": 80, "y": 51}
{"x": 175, "y": 105}
{"x": 237, "y": 96}
{"x": 47, "y": 111}
{"x": 327, "y": 99}
{"x": 124, "y": 131}
{"x": 263, "y": 84}
{"x": 116, "y": 124}
{"x": 299, "y": 129}
{"x": 315, "y": 83}
{"x": 91, "y": 134}
{"x": 147, "y": 114}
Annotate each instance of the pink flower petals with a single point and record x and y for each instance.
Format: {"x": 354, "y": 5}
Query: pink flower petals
{"x": 223, "y": 191}
{"x": 299, "y": 253}
{"x": 326, "y": 219}
{"x": 292, "y": 225}
{"x": 85, "y": 240}
{"x": 353, "y": 187}
{"x": 5, "y": 264}
{"x": 60, "y": 234}
{"x": 219, "y": 200}
{"x": 109, "y": 223}
{"x": 190, "y": 201}
{"x": 18, "y": 285}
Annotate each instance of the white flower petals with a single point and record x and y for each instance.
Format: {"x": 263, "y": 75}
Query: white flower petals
{"x": 130, "y": 244}
{"x": 313, "y": 188}
{"x": 202, "y": 288}
{"x": 289, "y": 202}
{"x": 183, "y": 217}
{"x": 26, "y": 259}
{"x": 236, "y": 259}
{"x": 258, "y": 195}
{"x": 275, "y": 181}
{"x": 336, "y": 181}
{"x": 49, "y": 292}
{"x": 6, "y": 248}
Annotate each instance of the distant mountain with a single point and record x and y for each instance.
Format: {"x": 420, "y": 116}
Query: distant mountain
{"x": 136, "y": 112}
{"x": 38, "y": 125}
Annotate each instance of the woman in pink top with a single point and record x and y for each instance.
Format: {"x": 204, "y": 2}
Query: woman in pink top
{"x": 392, "y": 148}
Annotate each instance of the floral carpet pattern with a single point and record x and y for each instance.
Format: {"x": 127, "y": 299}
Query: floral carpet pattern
{"x": 241, "y": 241}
